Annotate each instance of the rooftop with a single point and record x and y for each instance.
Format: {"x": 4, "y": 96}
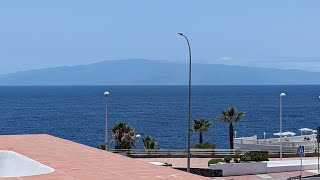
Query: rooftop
{"x": 76, "y": 161}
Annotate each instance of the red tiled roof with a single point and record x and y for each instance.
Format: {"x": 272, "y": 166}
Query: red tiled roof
{"x": 76, "y": 161}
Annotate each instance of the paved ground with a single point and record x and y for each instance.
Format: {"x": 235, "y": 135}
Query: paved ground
{"x": 73, "y": 161}
{"x": 180, "y": 162}
{"x": 202, "y": 163}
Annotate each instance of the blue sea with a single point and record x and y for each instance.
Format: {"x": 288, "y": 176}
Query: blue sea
{"x": 77, "y": 113}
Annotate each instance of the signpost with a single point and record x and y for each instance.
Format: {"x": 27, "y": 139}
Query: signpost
{"x": 301, "y": 154}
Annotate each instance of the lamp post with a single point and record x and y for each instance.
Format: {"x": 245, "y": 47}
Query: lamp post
{"x": 281, "y": 95}
{"x": 189, "y": 104}
{"x": 107, "y": 94}
{"x": 235, "y": 134}
{"x": 264, "y": 135}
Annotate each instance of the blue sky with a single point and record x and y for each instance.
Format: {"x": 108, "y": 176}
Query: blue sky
{"x": 280, "y": 34}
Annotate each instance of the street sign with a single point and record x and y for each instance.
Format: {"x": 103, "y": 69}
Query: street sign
{"x": 301, "y": 151}
{"x": 301, "y": 154}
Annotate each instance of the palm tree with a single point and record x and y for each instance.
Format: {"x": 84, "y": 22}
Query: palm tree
{"x": 123, "y": 135}
{"x": 231, "y": 116}
{"x": 149, "y": 142}
{"x": 201, "y": 126}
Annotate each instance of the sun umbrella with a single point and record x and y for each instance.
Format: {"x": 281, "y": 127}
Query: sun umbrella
{"x": 287, "y": 133}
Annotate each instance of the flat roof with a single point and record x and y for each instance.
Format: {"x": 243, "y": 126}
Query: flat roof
{"x": 74, "y": 161}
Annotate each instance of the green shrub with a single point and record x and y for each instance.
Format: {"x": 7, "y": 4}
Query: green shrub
{"x": 254, "y": 156}
{"x": 227, "y": 159}
{"x": 236, "y": 160}
{"x": 215, "y": 161}
{"x": 206, "y": 145}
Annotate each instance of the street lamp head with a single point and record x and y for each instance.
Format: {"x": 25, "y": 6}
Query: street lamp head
{"x": 106, "y": 93}
{"x": 283, "y": 94}
{"x": 180, "y": 34}
{"x": 138, "y": 136}
{"x": 264, "y": 133}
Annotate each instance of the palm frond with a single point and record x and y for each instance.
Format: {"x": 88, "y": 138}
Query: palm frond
{"x": 239, "y": 116}
{"x": 123, "y": 135}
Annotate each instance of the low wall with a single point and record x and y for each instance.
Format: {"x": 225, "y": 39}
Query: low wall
{"x": 235, "y": 169}
{"x": 292, "y": 165}
{"x": 292, "y": 168}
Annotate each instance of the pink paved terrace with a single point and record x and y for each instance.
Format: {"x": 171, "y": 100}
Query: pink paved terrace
{"x": 76, "y": 161}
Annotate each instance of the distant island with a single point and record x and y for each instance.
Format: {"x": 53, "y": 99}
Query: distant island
{"x": 152, "y": 72}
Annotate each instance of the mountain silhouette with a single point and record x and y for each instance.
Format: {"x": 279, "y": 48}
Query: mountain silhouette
{"x": 152, "y": 72}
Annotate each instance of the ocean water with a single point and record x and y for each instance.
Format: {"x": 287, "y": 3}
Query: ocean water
{"x": 77, "y": 113}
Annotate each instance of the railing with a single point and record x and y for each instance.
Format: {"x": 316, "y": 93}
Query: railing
{"x": 195, "y": 153}
{"x": 201, "y": 153}
{"x": 294, "y": 141}
{"x": 176, "y": 151}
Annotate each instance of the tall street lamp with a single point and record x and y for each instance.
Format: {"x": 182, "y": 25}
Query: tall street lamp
{"x": 189, "y": 105}
{"x": 281, "y": 95}
{"x": 107, "y": 94}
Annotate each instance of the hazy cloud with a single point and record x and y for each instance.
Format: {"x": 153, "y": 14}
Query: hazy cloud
{"x": 224, "y": 58}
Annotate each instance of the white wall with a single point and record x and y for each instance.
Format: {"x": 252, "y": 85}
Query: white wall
{"x": 234, "y": 169}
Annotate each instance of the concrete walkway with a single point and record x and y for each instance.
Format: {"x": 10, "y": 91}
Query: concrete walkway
{"x": 180, "y": 162}
{"x": 274, "y": 162}
{"x": 292, "y": 163}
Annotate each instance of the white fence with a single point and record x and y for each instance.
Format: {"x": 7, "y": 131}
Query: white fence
{"x": 295, "y": 141}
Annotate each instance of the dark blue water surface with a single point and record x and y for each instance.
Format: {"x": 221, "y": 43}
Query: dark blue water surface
{"x": 77, "y": 113}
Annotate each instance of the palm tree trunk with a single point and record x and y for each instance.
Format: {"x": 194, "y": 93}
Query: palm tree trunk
{"x": 200, "y": 138}
{"x": 231, "y": 135}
